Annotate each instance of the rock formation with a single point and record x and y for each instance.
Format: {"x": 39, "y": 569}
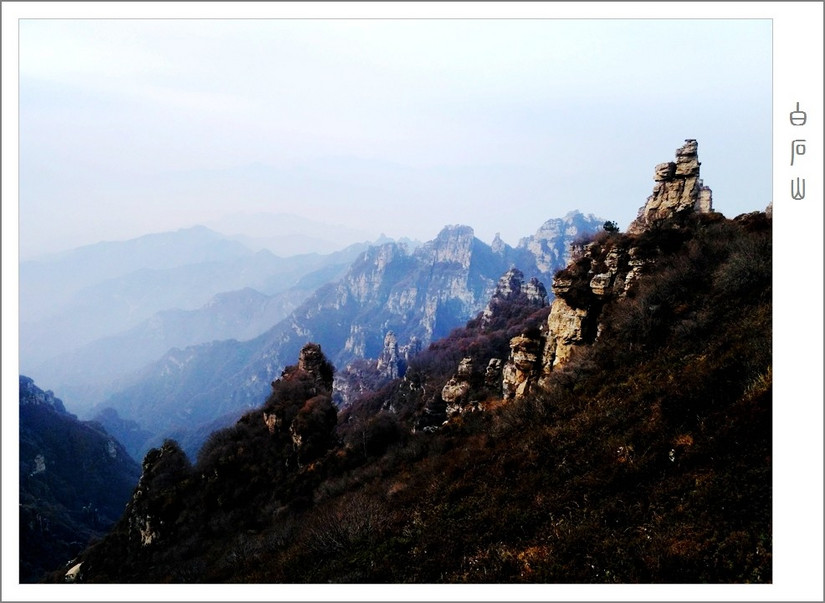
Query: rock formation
{"x": 565, "y": 330}
{"x": 390, "y": 363}
{"x": 456, "y": 391}
{"x": 510, "y": 288}
{"x": 603, "y": 270}
{"x": 678, "y": 189}
{"x": 312, "y": 361}
{"x": 162, "y": 468}
{"x": 549, "y": 247}
{"x": 492, "y": 375}
{"x": 301, "y": 406}
{"x": 520, "y": 372}
{"x": 30, "y": 394}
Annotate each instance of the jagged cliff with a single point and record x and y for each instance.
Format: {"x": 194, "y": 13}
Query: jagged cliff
{"x": 604, "y": 270}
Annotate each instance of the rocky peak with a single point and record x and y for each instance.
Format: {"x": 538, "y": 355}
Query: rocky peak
{"x": 30, "y": 394}
{"x": 390, "y": 363}
{"x": 498, "y": 246}
{"x": 454, "y": 244}
{"x": 164, "y": 469}
{"x": 552, "y": 241}
{"x": 601, "y": 271}
{"x": 511, "y": 286}
{"x": 368, "y": 272}
{"x": 678, "y": 189}
{"x": 535, "y": 292}
{"x": 311, "y": 360}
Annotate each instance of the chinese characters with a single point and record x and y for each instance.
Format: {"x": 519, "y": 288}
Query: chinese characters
{"x": 798, "y": 118}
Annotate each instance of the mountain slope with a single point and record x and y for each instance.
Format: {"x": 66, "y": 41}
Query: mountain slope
{"x": 645, "y": 457}
{"x": 622, "y": 436}
{"x": 75, "y": 480}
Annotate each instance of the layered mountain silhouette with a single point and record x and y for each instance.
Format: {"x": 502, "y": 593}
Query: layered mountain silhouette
{"x": 96, "y": 314}
{"x": 420, "y": 295}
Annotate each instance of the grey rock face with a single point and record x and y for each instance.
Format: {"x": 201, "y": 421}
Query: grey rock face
{"x": 678, "y": 189}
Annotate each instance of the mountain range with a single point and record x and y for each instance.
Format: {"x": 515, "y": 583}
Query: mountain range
{"x": 620, "y": 434}
{"x": 93, "y": 315}
{"x": 612, "y": 427}
{"x": 420, "y": 295}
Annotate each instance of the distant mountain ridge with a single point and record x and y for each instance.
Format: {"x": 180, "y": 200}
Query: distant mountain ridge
{"x": 420, "y": 296}
{"x": 111, "y": 312}
{"x": 286, "y": 234}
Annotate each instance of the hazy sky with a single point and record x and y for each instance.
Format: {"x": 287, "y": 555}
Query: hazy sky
{"x": 394, "y": 126}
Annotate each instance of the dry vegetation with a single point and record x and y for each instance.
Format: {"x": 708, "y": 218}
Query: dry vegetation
{"x": 648, "y": 459}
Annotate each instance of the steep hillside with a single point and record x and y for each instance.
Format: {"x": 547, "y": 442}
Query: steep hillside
{"x": 75, "y": 481}
{"x": 622, "y": 434}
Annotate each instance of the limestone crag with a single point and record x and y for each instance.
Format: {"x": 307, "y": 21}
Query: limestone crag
{"x": 374, "y": 264}
{"x": 520, "y": 372}
{"x": 565, "y": 330}
{"x": 603, "y": 270}
{"x": 312, "y": 361}
{"x": 498, "y": 246}
{"x": 363, "y": 374}
{"x": 390, "y": 363}
{"x": 678, "y": 190}
{"x": 511, "y": 288}
{"x": 550, "y": 246}
{"x": 492, "y": 375}
{"x": 456, "y": 391}
{"x": 454, "y": 244}
{"x": 33, "y": 395}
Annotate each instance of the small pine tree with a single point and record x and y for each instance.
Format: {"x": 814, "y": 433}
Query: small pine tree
{"x": 610, "y": 227}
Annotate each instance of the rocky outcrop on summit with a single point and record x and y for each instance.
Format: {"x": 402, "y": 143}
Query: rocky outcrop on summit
{"x": 390, "y": 364}
{"x": 163, "y": 468}
{"x": 605, "y": 269}
{"x": 312, "y": 361}
{"x": 31, "y": 395}
{"x": 678, "y": 189}
{"x": 511, "y": 288}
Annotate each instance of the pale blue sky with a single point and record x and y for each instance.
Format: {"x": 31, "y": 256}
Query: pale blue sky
{"x": 393, "y": 126}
